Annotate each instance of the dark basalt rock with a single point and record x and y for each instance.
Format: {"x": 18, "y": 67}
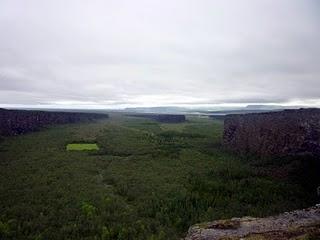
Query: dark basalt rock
{"x": 285, "y": 133}
{"x": 16, "y": 122}
{"x": 164, "y": 118}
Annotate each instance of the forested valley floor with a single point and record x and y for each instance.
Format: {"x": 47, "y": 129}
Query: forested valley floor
{"x": 148, "y": 180}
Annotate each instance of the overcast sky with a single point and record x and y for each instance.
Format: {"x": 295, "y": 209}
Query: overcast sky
{"x": 90, "y": 53}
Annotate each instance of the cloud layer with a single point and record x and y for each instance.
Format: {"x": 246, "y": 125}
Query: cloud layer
{"x": 182, "y": 52}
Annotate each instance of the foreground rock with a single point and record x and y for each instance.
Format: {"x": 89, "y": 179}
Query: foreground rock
{"x": 16, "y": 122}
{"x": 289, "y": 132}
{"x": 300, "y": 224}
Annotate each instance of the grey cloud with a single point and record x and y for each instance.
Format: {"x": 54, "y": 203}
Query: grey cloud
{"x": 159, "y": 52}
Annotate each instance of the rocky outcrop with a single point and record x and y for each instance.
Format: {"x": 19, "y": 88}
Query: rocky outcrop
{"x": 164, "y": 118}
{"x": 299, "y": 224}
{"x": 289, "y": 132}
{"x": 16, "y": 122}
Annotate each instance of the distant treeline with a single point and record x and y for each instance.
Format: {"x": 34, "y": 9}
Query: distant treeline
{"x": 165, "y": 118}
{"x": 218, "y": 117}
{"x": 16, "y": 122}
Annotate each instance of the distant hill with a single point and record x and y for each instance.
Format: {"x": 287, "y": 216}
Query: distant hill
{"x": 165, "y": 110}
{"x": 208, "y": 110}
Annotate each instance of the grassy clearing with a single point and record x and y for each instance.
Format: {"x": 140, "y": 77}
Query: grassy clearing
{"x": 82, "y": 147}
{"x": 146, "y": 181}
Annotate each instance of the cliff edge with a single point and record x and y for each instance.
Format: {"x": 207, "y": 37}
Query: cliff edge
{"x": 300, "y": 224}
{"x": 17, "y": 122}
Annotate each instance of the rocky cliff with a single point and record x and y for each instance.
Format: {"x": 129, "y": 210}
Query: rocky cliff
{"x": 16, "y": 122}
{"x": 289, "y": 132}
{"x": 299, "y": 224}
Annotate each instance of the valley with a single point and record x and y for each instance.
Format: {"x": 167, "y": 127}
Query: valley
{"x": 147, "y": 180}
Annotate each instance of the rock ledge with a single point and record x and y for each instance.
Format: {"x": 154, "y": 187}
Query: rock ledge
{"x": 299, "y": 224}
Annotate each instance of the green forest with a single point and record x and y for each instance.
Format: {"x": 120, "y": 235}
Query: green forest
{"x": 145, "y": 180}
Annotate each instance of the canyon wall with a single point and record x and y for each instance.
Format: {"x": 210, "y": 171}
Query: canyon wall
{"x": 16, "y": 122}
{"x": 289, "y": 132}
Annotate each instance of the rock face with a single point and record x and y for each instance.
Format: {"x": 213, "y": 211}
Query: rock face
{"x": 289, "y": 132}
{"x": 164, "y": 118}
{"x": 300, "y": 224}
{"x": 16, "y": 122}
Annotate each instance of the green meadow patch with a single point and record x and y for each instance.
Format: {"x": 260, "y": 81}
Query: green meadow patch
{"x": 82, "y": 146}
